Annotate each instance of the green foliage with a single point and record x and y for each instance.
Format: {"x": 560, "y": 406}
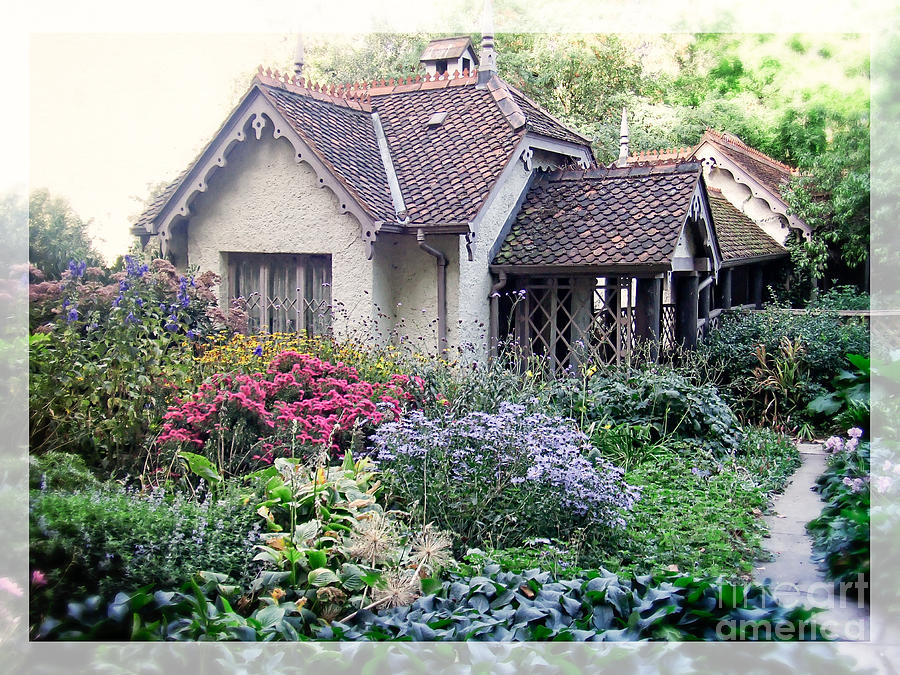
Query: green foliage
{"x": 556, "y": 556}
{"x": 106, "y": 539}
{"x": 849, "y": 403}
{"x": 653, "y": 396}
{"x": 501, "y": 606}
{"x": 696, "y": 512}
{"x": 767, "y": 459}
{"x": 824, "y": 338}
{"x": 841, "y": 298}
{"x": 56, "y": 235}
{"x": 832, "y": 194}
{"x": 493, "y": 606}
{"x": 60, "y": 471}
{"x": 841, "y": 532}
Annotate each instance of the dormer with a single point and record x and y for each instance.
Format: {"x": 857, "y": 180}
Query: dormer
{"x": 448, "y": 55}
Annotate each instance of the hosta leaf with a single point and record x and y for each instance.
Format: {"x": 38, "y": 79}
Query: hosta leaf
{"x": 269, "y": 616}
{"x": 351, "y": 577}
{"x": 316, "y": 559}
{"x": 322, "y": 577}
{"x": 201, "y": 466}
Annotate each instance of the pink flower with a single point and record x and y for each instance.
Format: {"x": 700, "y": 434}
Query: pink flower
{"x": 855, "y": 432}
{"x": 38, "y": 578}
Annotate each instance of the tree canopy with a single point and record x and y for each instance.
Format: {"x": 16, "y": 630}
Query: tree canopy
{"x": 56, "y": 235}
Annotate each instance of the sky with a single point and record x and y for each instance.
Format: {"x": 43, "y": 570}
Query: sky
{"x": 115, "y": 101}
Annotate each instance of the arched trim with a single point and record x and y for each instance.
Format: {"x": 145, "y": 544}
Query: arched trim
{"x": 254, "y": 115}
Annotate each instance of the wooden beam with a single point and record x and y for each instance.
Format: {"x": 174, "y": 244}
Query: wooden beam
{"x": 725, "y": 288}
{"x": 756, "y": 286}
{"x": 647, "y": 315}
{"x": 686, "y": 309}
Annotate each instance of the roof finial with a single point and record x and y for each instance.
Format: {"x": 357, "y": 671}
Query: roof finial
{"x": 487, "y": 65}
{"x": 298, "y": 56}
{"x": 623, "y": 141}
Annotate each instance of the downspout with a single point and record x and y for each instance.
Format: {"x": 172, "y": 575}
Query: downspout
{"x": 495, "y": 313}
{"x": 441, "y": 288}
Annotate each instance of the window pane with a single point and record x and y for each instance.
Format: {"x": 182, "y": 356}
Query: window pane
{"x": 318, "y": 294}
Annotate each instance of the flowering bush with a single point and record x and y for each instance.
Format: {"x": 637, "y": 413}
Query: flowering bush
{"x": 251, "y": 353}
{"x": 299, "y": 405}
{"x": 102, "y": 372}
{"x": 841, "y": 532}
{"x": 501, "y": 478}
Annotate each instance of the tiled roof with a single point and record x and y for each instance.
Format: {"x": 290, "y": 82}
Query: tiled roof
{"x": 345, "y": 139}
{"x": 738, "y": 236}
{"x": 602, "y": 217}
{"x": 769, "y": 172}
{"x": 543, "y": 123}
{"x": 444, "y": 172}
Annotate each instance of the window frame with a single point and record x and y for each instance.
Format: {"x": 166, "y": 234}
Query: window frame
{"x": 304, "y": 297}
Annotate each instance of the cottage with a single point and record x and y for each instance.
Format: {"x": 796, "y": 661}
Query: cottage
{"x": 450, "y": 210}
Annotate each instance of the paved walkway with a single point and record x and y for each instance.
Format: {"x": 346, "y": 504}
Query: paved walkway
{"x": 793, "y": 576}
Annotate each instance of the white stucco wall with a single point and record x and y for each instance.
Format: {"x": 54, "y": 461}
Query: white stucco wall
{"x": 264, "y": 202}
{"x": 474, "y": 276}
{"x": 412, "y": 275}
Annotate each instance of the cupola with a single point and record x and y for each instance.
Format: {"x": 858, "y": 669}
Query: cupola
{"x": 449, "y": 55}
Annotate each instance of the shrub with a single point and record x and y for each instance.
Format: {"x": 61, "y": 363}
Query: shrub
{"x": 501, "y": 477}
{"x": 655, "y": 396}
{"x": 841, "y": 532}
{"x": 61, "y": 471}
{"x": 241, "y": 353}
{"x": 841, "y": 298}
{"x": 824, "y": 338}
{"x": 100, "y": 378}
{"x": 300, "y": 404}
{"x": 107, "y": 539}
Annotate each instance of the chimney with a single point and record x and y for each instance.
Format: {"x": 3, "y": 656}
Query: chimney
{"x": 298, "y": 57}
{"x": 488, "y": 61}
{"x": 623, "y": 141}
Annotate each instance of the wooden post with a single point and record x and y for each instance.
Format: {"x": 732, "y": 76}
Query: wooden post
{"x": 757, "y": 286}
{"x": 703, "y": 307}
{"x": 725, "y": 288}
{"x": 686, "y": 301}
{"x": 647, "y": 315}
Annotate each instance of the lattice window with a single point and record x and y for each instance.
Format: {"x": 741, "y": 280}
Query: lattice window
{"x": 283, "y": 292}
{"x": 563, "y": 319}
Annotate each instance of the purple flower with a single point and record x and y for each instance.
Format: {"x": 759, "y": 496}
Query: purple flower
{"x": 258, "y": 351}
{"x": 855, "y": 432}
{"x": 72, "y": 315}
{"x": 131, "y": 318}
{"x": 834, "y": 444}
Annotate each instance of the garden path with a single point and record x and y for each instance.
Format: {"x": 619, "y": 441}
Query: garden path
{"x": 793, "y": 576}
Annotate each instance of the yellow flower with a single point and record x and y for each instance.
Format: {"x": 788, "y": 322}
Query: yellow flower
{"x": 528, "y": 373}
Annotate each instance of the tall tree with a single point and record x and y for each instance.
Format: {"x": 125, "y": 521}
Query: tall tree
{"x": 56, "y": 235}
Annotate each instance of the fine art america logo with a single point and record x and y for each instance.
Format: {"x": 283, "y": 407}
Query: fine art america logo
{"x": 843, "y": 613}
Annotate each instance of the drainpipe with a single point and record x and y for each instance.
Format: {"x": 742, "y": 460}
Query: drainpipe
{"x": 441, "y": 288}
{"x": 495, "y": 313}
